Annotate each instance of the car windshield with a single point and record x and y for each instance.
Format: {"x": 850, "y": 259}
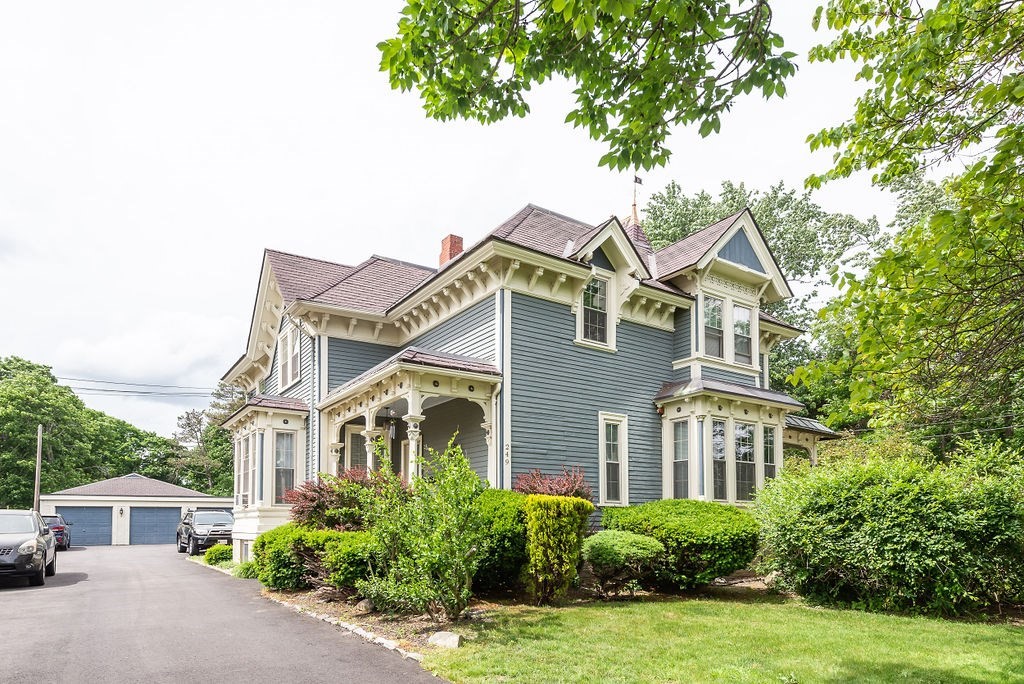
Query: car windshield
{"x": 16, "y": 523}
{"x": 212, "y": 518}
{"x": 51, "y": 520}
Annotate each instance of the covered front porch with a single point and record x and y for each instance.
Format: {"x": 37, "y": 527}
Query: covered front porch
{"x": 414, "y": 401}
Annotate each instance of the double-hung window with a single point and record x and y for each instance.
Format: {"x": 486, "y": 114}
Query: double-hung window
{"x": 681, "y": 460}
{"x": 595, "y": 311}
{"x": 614, "y": 455}
{"x": 741, "y": 335}
{"x": 745, "y": 476}
{"x": 284, "y": 464}
{"x": 245, "y": 476}
{"x": 289, "y": 358}
{"x": 769, "y": 453}
{"x": 713, "y": 331}
{"x": 718, "y": 465}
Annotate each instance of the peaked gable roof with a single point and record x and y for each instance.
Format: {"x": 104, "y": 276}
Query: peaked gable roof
{"x": 544, "y": 231}
{"x": 685, "y": 253}
{"x": 299, "y": 277}
{"x": 133, "y": 485}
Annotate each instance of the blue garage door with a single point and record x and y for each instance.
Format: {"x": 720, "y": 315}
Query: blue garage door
{"x": 91, "y": 525}
{"x": 153, "y": 525}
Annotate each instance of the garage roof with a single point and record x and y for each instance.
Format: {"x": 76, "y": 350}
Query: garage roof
{"x": 133, "y": 485}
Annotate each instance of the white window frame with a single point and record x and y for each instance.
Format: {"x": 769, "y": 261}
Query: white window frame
{"x": 725, "y": 453}
{"x": 750, "y": 334}
{"x": 295, "y": 459}
{"x": 622, "y": 421}
{"x": 735, "y": 484}
{"x": 611, "y": 313}
{"x": 253, "y": 474}
{"x": 766, "y": 451}
{"x": 685, "y": 425}
{"x": 289, "y": 356}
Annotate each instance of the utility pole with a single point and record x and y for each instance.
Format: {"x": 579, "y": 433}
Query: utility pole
{"x": 39, "y": 465}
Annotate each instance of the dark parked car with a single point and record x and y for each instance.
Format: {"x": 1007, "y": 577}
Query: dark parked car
{"x": 61, "y": 529}
{"x": 27, "y": 547}
{"x": 199, "y": 530}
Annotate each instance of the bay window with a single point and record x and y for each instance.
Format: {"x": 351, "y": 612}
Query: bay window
{"x": 681, "y": 460}
{"x": 284, "y": 464}
{"x": 718, "y": 473}
{"x": 713, "y": 330}
{"x": 769, "y": 452}
{"x": 746, "y": 480}
{"x": 742, "y": 352}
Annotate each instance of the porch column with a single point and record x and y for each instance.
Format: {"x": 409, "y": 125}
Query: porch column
{"x": 371, "y": 437}
{"x": 412, "y": 422}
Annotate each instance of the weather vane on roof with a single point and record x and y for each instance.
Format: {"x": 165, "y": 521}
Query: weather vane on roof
{"x": 637, "y": 180}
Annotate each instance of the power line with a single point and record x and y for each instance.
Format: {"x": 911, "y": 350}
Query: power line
{"x": 133, "y": 384}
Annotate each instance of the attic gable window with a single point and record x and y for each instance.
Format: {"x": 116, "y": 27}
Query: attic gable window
{"x": 713, "y": 327}
{"x": 595, "y": 311}
{"x": 288, "y": 358}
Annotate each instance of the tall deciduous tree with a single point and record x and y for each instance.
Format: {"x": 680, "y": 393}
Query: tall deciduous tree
{"x": 938, "y": 317}
{"x": 638, "y": 66}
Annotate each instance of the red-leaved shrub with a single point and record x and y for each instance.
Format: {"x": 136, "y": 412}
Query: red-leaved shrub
{"x": 571, "y": 482}
{"x": 332, "y": 503}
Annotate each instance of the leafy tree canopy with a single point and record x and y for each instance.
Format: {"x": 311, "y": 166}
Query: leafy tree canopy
{"x": 639, "y": 66}
{"x": 938, "y": 320}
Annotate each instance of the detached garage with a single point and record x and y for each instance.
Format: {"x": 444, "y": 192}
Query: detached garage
{"x": 132, "y": 509}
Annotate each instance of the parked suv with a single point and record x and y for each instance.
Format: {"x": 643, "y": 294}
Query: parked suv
{"x": 61, "y": 529}
{"x": 199, "y": 530}
{"x": 27, "y": 547}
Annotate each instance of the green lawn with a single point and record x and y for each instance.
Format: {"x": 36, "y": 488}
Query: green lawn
{"x": 727, "y": 640}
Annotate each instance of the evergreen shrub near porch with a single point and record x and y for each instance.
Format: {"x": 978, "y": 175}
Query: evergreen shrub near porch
{"x": 900, "y": 535}
{"x": 555, "y": 526}
{"x": 702, "y": 539}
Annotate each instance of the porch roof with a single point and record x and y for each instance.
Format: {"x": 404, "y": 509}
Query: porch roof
{"x": 417, "y": 356}
{"x": 269, "y": 401}
{"x": 803, "y": 424}
{"x": 675, "y": 390}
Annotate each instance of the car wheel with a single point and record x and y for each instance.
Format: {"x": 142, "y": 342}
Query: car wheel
{"x": 181, "y": 547}
{"x": 193, "y": 547}
{"x": 39, "y": 578}
{"x": 51, "y": 569}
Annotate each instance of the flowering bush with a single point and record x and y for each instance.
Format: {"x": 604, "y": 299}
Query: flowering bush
{"x": 571, "y": 482}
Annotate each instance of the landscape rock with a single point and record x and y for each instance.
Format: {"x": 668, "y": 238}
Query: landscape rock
{"x": 365, "y": 606}
{"x": 445, "y": 639}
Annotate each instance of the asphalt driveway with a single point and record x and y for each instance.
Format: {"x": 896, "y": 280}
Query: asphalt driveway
{"x": 146, "y": 614}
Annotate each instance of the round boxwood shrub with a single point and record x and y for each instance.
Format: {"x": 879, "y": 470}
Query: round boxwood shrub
{"x": 277, "y": 565}
{"x": 896, "y": 535}
{"x": 618, "y": 558}
{"x": 703, "y": 540}
{"x": 503, "y": 555}
{"x": 218, "y": 554}
{"x": 346, "y": 559}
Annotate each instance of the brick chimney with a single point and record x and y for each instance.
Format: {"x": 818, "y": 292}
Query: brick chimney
{"x": 451, "y": 247}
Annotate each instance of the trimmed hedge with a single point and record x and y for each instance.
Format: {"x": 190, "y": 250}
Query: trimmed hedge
{"x": 287, "y": 557}
{"x": 503, "y": 556}
{"x": 346, "y": 559}
{"x": 218, "y": 554}
{"x": 703, "y": 540}
{"x": 618, "y": 558}
{"x": 898, "y": 535}
{"x": 555, "y": 526}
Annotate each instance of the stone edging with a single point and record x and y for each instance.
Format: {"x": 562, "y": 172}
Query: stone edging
{"x": 389, "y": 644}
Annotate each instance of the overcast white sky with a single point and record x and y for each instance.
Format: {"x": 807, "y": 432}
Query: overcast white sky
{"x": 150, "y": 151}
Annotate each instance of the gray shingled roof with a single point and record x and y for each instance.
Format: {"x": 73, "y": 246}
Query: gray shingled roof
{"x": 809, "y": 425}
{"x": 683, "y": 254}
{"x": 300, "y": 277}
{"x": 426, "y": 357}
{"x": 133, "y": 485}
{"x": 270, "y": 401}
{"x": 375, "y": 285}
{"x": 672, "y": 390}
{"x": 543, "y": 230}
{"x": 778, "y": 321}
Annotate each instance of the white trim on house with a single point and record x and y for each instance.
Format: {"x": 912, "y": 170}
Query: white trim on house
{"x": 621, "y": 420}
